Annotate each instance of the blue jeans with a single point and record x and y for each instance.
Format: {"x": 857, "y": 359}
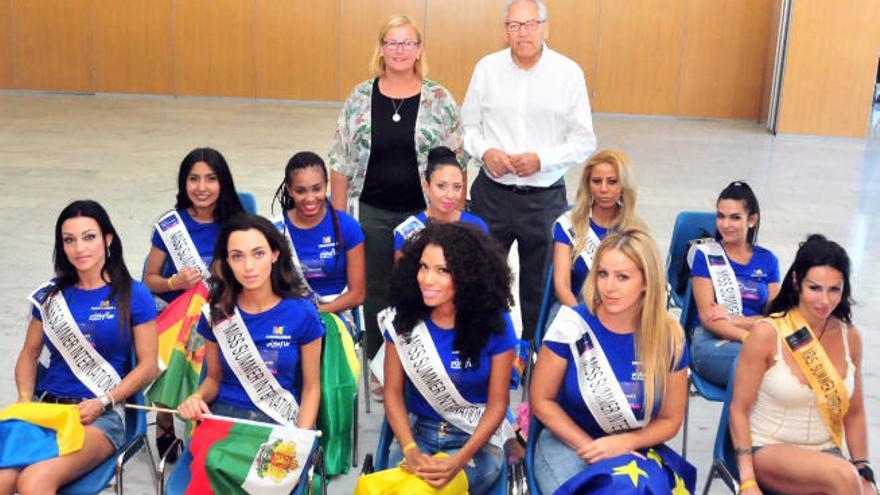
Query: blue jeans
{"x": 439, "y": 436}
{"x": 713, "y": 357}
{"x": 555, "y": 462}
{"x": 230, "y": 411}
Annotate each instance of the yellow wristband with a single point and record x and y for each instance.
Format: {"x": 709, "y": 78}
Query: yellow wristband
{"x": 170, "y": 281}
{"x": 196, "y": 395}
{"x": 746, "y": 485}
{"x": 744, "y": 337}
{"x": 25, "y": 396}
{"x": 408, "y": 447}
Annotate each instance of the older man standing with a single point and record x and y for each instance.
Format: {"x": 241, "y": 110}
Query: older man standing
{"x": 526, "y": 118}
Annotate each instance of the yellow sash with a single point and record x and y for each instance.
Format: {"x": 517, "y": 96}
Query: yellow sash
{"x": 831, "y": 394}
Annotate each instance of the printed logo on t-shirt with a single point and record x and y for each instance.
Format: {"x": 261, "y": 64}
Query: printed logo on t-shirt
{"x": 633, "y": 393}
{"x": 326, "y": 240}
{"x": 749, "y": 290}
{"x": 270, "y": 357}
{"x": 278, "y": 337}
{"x": 103, "y": 311}
{"x": 638, "y": 375}
{"x": 455, "y": 364}
{"x": 758, "y": 273}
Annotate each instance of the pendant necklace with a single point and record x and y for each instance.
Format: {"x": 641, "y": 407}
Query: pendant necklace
{"x": 396, "y": 116}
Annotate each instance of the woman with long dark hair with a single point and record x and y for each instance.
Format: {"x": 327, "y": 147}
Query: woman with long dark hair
{"x": 734, "y": 261}
{"x": 449, "y": 331}
{"x": 328, "y": 245}
{"x": 255, "y": 287}
{"x": 798, "y": 386}
{"x": 94, "y": 307}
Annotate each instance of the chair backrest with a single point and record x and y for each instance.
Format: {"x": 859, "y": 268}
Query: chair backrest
{"x": 249, "y": 202}
{"x": 689, "y": 225}
{"x": 723, "y": 450}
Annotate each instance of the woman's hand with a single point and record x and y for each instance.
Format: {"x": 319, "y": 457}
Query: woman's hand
{"x": 193, "y": 408}
{"x": 89, "y": 410}
{"x": 605, "y": 448}
{"x": 439, "y": 471}
{"x": 186, "y": 278}
{"x": 415, "y": 459}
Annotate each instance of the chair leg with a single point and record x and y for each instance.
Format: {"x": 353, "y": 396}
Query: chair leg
{"x": 365, "y": 369}
{"x": 354, "y": 433}
{"x": 684, "y": 428}
{"x": 713, "y": 472}
{"x": 156, "y": 485}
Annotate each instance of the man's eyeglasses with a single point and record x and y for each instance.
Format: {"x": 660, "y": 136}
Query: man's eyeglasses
{"x": 531, "y": 26}
{"x": 401, "y": 44}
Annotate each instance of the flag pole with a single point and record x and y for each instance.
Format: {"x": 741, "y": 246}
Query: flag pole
{"x": 222, "y": 418}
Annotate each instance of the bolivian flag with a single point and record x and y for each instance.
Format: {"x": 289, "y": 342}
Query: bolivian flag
{"x": 181, "y": 348}
{"x": 340, "y": 369}
{"x": 31, "y": 432}
{"x": 659, "y": 470}
{"x": 232, "y": 456}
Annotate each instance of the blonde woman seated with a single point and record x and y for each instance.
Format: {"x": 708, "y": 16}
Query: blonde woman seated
{"x": 610, "y": 382}
{"x": 606, "y": 200}
{"x": 798, "y": 385}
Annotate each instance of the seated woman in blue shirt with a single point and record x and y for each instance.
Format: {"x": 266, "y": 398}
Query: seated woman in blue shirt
{"x": 328, "y": 244}
{"x": 754, "y": 272}
{"x": 206, "y": 198}
{"x": 111, "y": 314}
{"x": 254, "y": 286}
{"x": 611, "y": 377}
{"x": 449, "y": 325}
{"x": 445, "y": 187}
{"x": 606, "y": 200}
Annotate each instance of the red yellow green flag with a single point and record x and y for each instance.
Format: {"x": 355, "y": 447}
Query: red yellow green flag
{"x": 181, "y": 348}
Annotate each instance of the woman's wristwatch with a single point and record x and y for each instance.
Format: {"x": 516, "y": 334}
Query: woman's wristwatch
{"x": 106, "y": 402}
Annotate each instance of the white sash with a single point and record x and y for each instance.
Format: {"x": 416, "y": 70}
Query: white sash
{"x": 591, "y": 245}
{"x": 425, "y": 369}
{"x": 599, "y": 388}
{"x": 180, "y": 245}
{"x": 87, "y": 365}
{"x": 723, "y": 279}
{"x": 409, "y": 227}
{"x": 251, "y": 371}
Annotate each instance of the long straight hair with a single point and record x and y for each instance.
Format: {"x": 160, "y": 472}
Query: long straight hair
{"x": 225, "y": 288}
{"x": 740, "y": 191}
{"x": 114, "y": 272}
{"x": 228, "y": 204}
{"x": 580, "y": 215}
{"x": 659, "y": 340}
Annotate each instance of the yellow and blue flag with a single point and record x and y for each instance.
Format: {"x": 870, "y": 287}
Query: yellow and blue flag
{"x": 659, "y": 470}
{"x": 31, "y": 432}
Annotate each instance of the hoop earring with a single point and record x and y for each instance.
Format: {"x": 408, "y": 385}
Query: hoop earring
{"x": 620, "y": 201}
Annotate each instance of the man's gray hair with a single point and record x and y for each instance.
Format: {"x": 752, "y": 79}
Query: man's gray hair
{"x": 542, "y": 7}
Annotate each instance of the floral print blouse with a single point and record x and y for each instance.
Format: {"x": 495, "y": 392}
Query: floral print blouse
{"x": 438, "y": 124}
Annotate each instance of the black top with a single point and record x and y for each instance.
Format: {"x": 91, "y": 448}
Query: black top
{"x": 392, "y": 181}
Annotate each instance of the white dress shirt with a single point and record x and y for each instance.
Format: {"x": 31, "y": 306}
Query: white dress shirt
{"x": 544, "y": 110}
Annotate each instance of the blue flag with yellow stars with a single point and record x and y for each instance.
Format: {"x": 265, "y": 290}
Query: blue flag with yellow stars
{"x": 661, "y": 471}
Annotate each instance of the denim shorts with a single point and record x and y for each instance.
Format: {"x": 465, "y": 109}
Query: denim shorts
{"x": 431, "y": 436}
{"x": 111, "y": 425}
{"x": 230, "y": 411}
{"x": 555, "y": 462}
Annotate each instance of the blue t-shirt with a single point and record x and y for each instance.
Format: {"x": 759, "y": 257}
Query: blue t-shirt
{"x": 620, "y": 351}
{"x": 753, "y": 277}
{"x": 278, "y": 334}
{"x": 204, "y": 236}
{"x": 322, "y": 266}
{"x": 401, "y": 237}
{"x": 579, "y": 270}
{"x": 98, "y": 319}
{"x": 472, "y": 384}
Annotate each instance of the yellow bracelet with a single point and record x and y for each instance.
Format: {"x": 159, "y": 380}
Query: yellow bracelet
{"x": 27, "y": 397}
{"x": 170, "y": 281}
{"x": 196, "y": 395}
{"x": 746, "y": 485}
{"x": 409, "y": 446}
{"x": 745, "y": 336}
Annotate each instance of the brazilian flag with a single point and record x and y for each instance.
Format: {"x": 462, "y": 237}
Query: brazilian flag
{"x": 659, "y": 470}
{"x": 340, "y": 369}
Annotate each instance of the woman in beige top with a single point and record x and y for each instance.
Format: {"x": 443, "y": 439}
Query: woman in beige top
{"x": 776, "y": 416}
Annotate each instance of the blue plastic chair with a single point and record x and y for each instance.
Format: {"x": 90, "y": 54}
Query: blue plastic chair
{"x": 386, "y": 436}
{"x": 724, "y": 461}
{"x": 689, "y": 225}
{"x": 249, "y": 202}
{"x": 180, "y": 475}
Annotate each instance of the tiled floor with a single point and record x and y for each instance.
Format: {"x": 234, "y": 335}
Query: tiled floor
{"x": 124, "y": 152}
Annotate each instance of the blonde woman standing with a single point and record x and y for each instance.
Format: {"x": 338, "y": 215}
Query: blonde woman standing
{"x": 380, "y": 151}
